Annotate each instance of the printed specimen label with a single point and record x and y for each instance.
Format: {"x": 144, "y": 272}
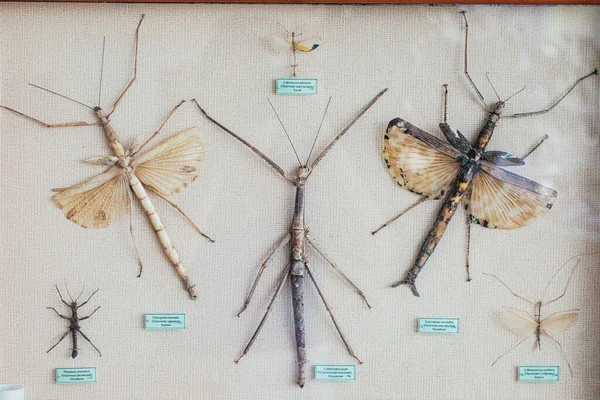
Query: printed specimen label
{"x": 439, "y": 325}
{"x": 296, "y": 86}
{"x": 75, "y": 375}
{"x": 165, "y": 321}
{"x": 335, "y": 372}
{"x": 539, "y": 374}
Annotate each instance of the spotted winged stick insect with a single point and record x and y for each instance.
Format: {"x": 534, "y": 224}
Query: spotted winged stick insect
{"x": 457, "y": 170}
{"x": 298, "y": 236}
{"x": 74, "y": 319}
{"x": 163, "y": 170}
{"x": 526, "y": 325}
{"x": 293, "y": 45}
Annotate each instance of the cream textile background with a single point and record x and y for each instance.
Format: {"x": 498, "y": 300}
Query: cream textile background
{"x": 219, "y": 54}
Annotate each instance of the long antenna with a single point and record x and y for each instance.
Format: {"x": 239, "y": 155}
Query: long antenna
{"x": 319, "y": 131}
{"x": 487, "y": 76}
{"x": 286, "y": 133}
{"x": 516, "y": 93}
{"x": 101, "y": 70}
{"x": 61, "y": 95}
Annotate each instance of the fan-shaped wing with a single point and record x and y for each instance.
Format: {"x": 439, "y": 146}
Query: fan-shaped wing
{"x": 518, "y": 322}
{"x": 280, "y": 44}
{"x": 97, "y": 202}
{"x": 309, "y": 44}
{"x": 560, "y": 323}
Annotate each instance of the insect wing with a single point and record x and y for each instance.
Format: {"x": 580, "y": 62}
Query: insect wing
{"x": 518, "y": 322}
{"x": 456, "y": 138}
{"x": 280, "y": 44}
{"x": 172, "y": 164}
{"x": 97, "y": 202}
{"x": 560, "y": 323}
{"x": 419, "y": 161}
{"x": 503, "y": 200}
{"x": 309, "y": 44}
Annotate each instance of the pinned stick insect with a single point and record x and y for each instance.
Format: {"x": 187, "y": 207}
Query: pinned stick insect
{"x": 457, "y": 170}
{"x": 163, "y": 170}
{"x": 298, "y": 236}
{"x": 74, "y": 328}
{"x": 526, "y": 325}
{"x": 290, "y": 46}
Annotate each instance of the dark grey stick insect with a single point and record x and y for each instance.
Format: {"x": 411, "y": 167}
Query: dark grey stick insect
{"x": 457, "y": 170}
{"x": 298, "y": 236}
{"x": 74, "y": 319}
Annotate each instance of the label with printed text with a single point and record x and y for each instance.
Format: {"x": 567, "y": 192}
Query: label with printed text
{"x": 296, "y": 86}
{"x": 438, "y": 325}
{"x": 335, "y": 372}
{"x": 75, "y": 375}
{"x": 539, "y": 374}
{"x": 165, "y": 321}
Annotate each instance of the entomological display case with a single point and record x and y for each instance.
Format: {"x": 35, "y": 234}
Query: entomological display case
{"x": 308, "y": 165}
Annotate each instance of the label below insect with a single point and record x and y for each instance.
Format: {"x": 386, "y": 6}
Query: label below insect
{"x": 539, "y": 374}
{"x": 165, "y": 321}
{"x": 335, "y": 372}
{"x": 75, "y": 375}
{"x": 296, "y": 86}
{"x": 439, "y": 325}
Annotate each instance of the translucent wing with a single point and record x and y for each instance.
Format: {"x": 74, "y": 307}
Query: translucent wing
{"x": 503, "y": 200}
{"x": 419, "y": 161}
{"x": 97, "y": 202}
{"x": 280, "y": 44}
{"x": 172, "y": 164}
{"x": 560, "y": 323}
{"x": 309, "y": 44}
{"x": 518, "y": 322}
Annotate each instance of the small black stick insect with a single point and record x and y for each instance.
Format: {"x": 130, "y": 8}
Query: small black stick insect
{"x": 74, "y": 319}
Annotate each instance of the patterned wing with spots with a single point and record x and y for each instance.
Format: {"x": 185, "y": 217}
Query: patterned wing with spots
{"x": 419, "y": 161}
{"x": 503, "y": 200}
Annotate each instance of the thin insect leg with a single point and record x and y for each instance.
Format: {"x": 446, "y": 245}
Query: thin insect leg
{"x": 61, "y": 298}
{"x": 137, "y": 36}
{"x": 337, "y": 327}
{"x": 468, "y": 248}
{"x": 285, "y": 274}
{"x": 334, "y": 141}
{"x": 59, "y": 340}
{"x": 88, "y": 339}
{"x": 509, "y": 289}
{"x": 254, "y": 149}
{"x": 566, "y": 286}
{"x": 59, "y": 314}
{"x": 85, "y": 302}
{"x": 562, "y": 351}
{"x": 181, "y": 211}
{"x": 561, "y": 312}
{"x": 81, "y": 319}
{"x": 282, "y": 243}
{"x": 466, "y": 51}
{"x": 511, "y": 349}
{"x": 445, "y": 85}
{"x": 161, "y": 126}
{"x": 47, "y": 125}
{"x": 422, "y": 199}
{"x": 339, "y": 271}
{"x": 135, "y": 248}
{"x": 535, "y": 147}
{"x": 577, "y": 82}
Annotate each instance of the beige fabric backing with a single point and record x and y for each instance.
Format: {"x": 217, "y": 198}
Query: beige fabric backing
{"x": 220, "y": 55}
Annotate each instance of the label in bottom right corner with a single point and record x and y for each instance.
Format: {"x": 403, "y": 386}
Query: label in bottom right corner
{"x": 539, "y": 374}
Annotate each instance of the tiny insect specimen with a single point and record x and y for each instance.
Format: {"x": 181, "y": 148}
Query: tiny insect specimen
{"x": 163, "y": 170}
{"x": 526, "y": 325}
{"x": 457, "y": 170}
{"x": 290, "y": 46}
{"x": 74, "y": 319}
{"x": 298, "y": 236}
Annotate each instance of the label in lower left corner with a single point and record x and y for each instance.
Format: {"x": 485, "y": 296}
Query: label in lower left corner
{"x": 296, "y": 86}
{"x": 335, "y": 372}
{"x": 165, "y": 321}
{"x": 75, "y": 375}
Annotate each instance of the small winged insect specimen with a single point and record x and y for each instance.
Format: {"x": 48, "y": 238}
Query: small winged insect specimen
{"x": 291, "y": 46}
{"x": 457, "y": 170}
{"x": 163, "y": 170}
{"x": 526, "y": 325}
{"x": 298, "y": 236}
{"x": 74, "y": 319}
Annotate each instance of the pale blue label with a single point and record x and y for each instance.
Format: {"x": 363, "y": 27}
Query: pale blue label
{"x": 75, "y": 375}
{"x": 539, "y": 374}
{"x": 335, "y": 372}
{"x": 165, "y": 321}
{"x": 296, "y": 86}
{"x": 438, "y": 325}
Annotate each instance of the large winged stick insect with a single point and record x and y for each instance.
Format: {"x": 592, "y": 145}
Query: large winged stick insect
{"x": 163, "y": 170}
{"x": 298, "y": 236}
{"x": 457, "y": 170}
